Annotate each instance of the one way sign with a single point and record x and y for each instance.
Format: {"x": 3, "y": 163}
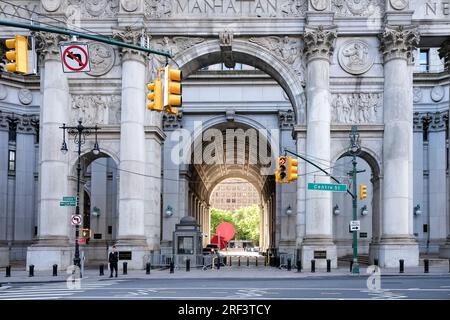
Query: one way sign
{"x": 75, "y": 57}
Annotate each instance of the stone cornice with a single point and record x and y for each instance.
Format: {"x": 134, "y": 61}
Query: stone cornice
{"x": 399, "y": 42}
{"x": 155, "y": 132}
{"x": 319, "y": 42}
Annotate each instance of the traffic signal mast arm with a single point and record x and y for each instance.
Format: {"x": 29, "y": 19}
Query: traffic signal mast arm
{"x": 323, "y": 170}
{"x": 82, "y": 35}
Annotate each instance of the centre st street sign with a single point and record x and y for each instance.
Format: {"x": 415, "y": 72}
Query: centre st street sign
{"x": 67, "y": 204}
{"x": 327, "y": 187}
{"x": 70, "y": 199}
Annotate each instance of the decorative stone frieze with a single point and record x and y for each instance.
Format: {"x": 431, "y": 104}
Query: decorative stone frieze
{"x": 95, "y": 9}
{"x": 358, "y": 8}
{"x": 96, "y": 109}
{"x": 362, "y": 108}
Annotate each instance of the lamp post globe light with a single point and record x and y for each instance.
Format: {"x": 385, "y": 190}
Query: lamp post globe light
{"x": 79, "y": 134}
{"x": 354, "y": 150}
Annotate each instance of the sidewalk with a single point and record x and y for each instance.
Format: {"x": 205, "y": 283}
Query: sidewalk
{"x": 92, "y": 275}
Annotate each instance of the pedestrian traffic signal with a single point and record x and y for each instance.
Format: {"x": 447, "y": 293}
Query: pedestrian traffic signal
{"x": 362, "y": 191}
{"x": 86, "y": 233}
{"x": 156, "y": 95}
{"x": 281, "y": 173}
{"x": 18, "y": 55}
{"x": 172, "y": 89}
{"x": 292, "y": 169}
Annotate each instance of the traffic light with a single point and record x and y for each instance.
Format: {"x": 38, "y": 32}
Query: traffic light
{"x": 292, "y": 169}
{"x": 172, "y": 89}
{"x": 281, "y": 173}
{"x": 156, "y": 96}
{"x": 18, "y": 54}
{"x": 86, "y": 233}
{"x": 362, "y": 191}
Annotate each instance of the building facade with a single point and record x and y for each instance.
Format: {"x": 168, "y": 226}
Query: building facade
{"x": 297, "y": 75}
{"x": 233, "y": 194}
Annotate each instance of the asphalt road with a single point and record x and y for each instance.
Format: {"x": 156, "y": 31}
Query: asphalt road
{"x": 320, "y": 288}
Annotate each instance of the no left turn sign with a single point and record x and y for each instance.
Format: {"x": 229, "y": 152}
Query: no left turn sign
{"x": 76, "y": 220}
{"x": 75, "y": 58}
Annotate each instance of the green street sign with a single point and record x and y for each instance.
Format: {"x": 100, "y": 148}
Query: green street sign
{"x": 67, "y": 204}
{"x": 327, "y": 187}
{"x": 70, "y": 199}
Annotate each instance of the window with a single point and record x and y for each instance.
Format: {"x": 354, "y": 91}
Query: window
{"x": 12, "y": 160}
{"x": 424, "y": 60}
{"x": 185, "y": 245}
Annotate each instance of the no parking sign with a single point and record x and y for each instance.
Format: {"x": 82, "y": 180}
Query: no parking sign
{"x": 75, "y": 57}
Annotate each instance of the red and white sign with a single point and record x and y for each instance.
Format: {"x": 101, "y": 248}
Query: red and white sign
{"x": 75, "y": 58}
{"x": 81, "y": 241}
{"x": 76, "y": 220}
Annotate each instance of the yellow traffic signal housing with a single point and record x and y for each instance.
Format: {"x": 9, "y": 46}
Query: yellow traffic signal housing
{"x": 281, "y": 173}
{"x": 155, "y": 96}
{"x": 172, "y": 89}
{"x": 18, "y": 54}
{"x": 292, "y": 169}
{"x": 86, "y": 233}
{"x": 362, "y": 191}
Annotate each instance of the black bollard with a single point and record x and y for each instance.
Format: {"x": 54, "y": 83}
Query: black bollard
{"x": 299, "y": 265}
{"x": 147, "y": 268}
{"x": 218, "y": 263}
{"x": 375, "y": 262}
{"x": 239, "y": 261}
{"x": 448, "y": 265}
{"x": 289, "y": 265}
{"x": 351, "y": 266}
{"x": 265, "y": 261}
{"x": 8, "y": 271}
{"x": 425, "y": 265}
{"x": 328, "y": 265}
{"x": 31, "y": 271}
{"x": 256, "y": 261}
{"x": 172, "y": 267}
{"x": 248, "y": 261}
{"x": 402, "y": 268}
{"x": 313, "y": 265}
{"x": 188, "y": 265}
{"x": 55, "y": 270}
{"x": 125, "y": 267}
{"x": 101, "y": 270}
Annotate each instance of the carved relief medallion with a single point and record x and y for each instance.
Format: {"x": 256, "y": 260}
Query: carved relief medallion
{"x": 25, "y": 96}
{"x": 319, "y": 5}
{"x": 355, "y": 57}
{"x": 399, "y": 4}
{"x": 51, "y": 5}
{"x": 130, "y": 5}
{"x": 417, "y": 95}
{"x": 101, "y": 58}
{"x": 437, "y": 93}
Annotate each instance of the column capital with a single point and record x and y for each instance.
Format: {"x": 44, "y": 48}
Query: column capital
{"x": 130, "y": 35}
{"x": 47, "y": 44}
{"x": 444, "y": 53}
{"x": 319, "y": 42}
{"x": 439, "y": 121}
{"x": 399, "y": 42}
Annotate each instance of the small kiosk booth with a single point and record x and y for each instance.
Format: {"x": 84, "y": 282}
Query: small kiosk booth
{"x": 187, "y": 242}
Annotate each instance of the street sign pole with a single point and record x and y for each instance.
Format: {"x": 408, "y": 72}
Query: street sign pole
{"x": 355, "y": 268}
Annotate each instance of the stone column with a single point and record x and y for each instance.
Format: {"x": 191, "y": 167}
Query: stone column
{"x": 319, "y": 47}
{"x": 53, "y": 226}
{"x": 4, "y": 250}
{"x": 397, "y": 241}
{"x": 444, "y": 250}
{"x": 131, "y": 231}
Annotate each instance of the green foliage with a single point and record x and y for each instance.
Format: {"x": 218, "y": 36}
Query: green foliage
{"x": 245, "y": 220}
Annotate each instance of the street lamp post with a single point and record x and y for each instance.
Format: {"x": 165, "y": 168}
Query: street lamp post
{"x": 354, "y": 150}
{"x": 79, "y": 134}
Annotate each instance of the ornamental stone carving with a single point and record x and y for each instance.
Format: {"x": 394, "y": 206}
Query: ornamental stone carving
{"x": 319, "y": 42}
{"x": 130, "y": 35}
{"x": 172, "y": 122}
{"x": 355, "y": 57}
{"x": 25, "y": 96}
{"x": 362, "y": 108}
{"x": 93, "y": 9}
{"x": 51, "y": 5}
{"x": 174, "y": 45}
{"x": 47, "y": 44}
{"x": 320, "y": 5}
{"x": 225, "y": 42}
{"x": 417, "y": 95}
{"x": 96, "y": 109}
{"x": 399, "y": 42}
{"x": 286, "y": 49}
{"x": 157, "y": 9}
{"x": 294, "y": 8}
{"x": 358, "y": 8}
{"x": 101, "y": 58}
{"x": 438, "y": 121}
{"x": 437, "y": 93}
{"x": 130, "y": 5}
{"x": 399, "y": 4}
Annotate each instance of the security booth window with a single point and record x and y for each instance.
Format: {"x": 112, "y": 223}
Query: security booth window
{"x": 185, "y": 245}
